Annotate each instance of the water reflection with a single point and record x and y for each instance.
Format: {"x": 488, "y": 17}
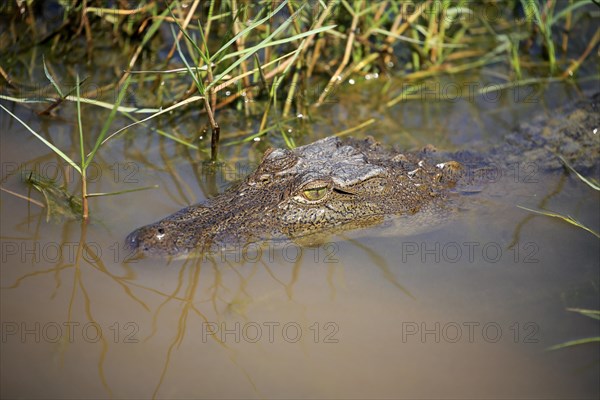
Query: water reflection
{"x": 210, "y": 290}
{"x": 342, "y": 318}
{"x": 227, "y": 308}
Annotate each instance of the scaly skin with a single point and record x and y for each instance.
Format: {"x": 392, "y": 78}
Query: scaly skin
{"x": 324, "y": 186}
{"x": 334, "y": 185}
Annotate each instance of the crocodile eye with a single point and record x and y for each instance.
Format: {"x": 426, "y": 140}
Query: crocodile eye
{"x": 314, "y": 194}
{"x": 313, "y": 191}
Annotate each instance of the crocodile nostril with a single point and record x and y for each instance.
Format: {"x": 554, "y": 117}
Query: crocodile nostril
{"x": 133, "y": 240}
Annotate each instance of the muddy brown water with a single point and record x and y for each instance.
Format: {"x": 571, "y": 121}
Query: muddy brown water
{"x": 463, "y": 309}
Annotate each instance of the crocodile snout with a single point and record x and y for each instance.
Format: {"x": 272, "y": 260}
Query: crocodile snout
{"x": 132, "y": 241}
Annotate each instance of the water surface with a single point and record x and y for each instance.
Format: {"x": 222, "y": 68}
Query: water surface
{"x": 461, "y": 309}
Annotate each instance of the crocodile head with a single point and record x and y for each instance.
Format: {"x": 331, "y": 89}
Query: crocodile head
{"x": 325, "y": 186}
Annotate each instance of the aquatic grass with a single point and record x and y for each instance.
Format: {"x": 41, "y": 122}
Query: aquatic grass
{"x": 241, "y": 55}
{"x": 360, "y": 126}
{"x": 594, "y": 314}
{"x": 52, "y": 147}
{"x": 97, "y": 103}
{"x": 576, "y": 342}
{"x": 205, "y": 95}
{"x": 546, "y": 20}
{"x": 161, "y": 132}
{"x": 591, "y": 182}
{"x": 61, "y": 97}
{"x": 432, "y": 20}
{"x": 575, "y": 64}
{"x": 59, "y": 202}
{"x": 156, "y": 114}
{"x": 296, "y": 46}
{"x": 83, "y": 169}
{"x": 100, "y": 139}
{"x": 355, "y": 13}
{"x": 50, "y": 189}
{"x": 149, "y": 34}
{"x": 514, "y": 57}
{"x": 566, "y": 218}
{"x": 254, "y": 136}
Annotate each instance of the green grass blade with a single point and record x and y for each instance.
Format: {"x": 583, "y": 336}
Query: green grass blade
{"x": 165, "y": 134}
{"x": 590, "y": 182}
{"x": 289, "y": 141}
{"x": 567, "y": 218}
{"x": 47, "y": 143}
{"x": 166, "y": 110}
{"x": 263, "y": 45}
{"x": 27, "y": 100}
{"x": 154, "y": 27}
{"x": 259, "y": 134}
{"x": 122, "y": 191}
{"x": 198, "y": 82}
{"x": 51, "y": 78}
{"x": 595, "y": 314}
{"x": 566, "y": 10}
{"x": 108, "y": 122}
{"x": 415, "y": 41}
{"x": 79, "y": 126}
{"x": 205, "y": 57}
{"x": 110, "y": 106}
{"x": 247, "y": 53}
{"x": 355, "y": 128}
{"x": 266, "y": 43}
{"x": 169, "y": 71}
{"x": 96, "y": 103}
{"x": 248, "y": 29}
{"x": 531, "y": 9}
{"x": 576, "y": 342}
{"x": 206, "y": 53}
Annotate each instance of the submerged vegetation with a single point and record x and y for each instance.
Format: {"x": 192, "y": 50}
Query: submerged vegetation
{"x": 274, "y": 61}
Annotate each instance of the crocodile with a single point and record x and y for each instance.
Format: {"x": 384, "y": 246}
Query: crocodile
{"x": 338, "y": 184}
